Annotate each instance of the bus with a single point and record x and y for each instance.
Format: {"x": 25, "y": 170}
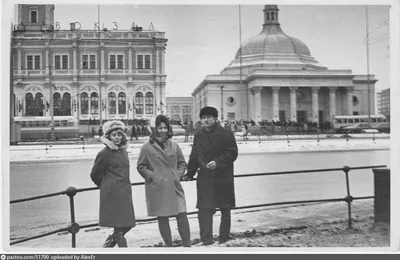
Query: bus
{"x": 342, "y": 121}
{"x": 38, "y": 127}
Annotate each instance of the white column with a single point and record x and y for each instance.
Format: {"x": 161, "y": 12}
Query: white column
{"x": 75, "y": 72}
{"x": 332, "y": 101}
{"x": 47, "y": 59}
{"x": 103, "y": 71}
{"x": 293, "y": 104}
{"x": 257, "y": 103}
{"x": 19, "y": 59}
{"x": 157, "y": 98}
{"x": 130, "y": 58}
{"x": 116, "y": 104}
{"x": 349, "y": 101}
{"x": 250, "y": 102}
{"x": 275, "y": 103}
{"x": 315, "y": 104}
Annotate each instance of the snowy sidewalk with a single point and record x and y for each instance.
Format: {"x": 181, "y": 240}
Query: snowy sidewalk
{"x": 267, "y": 144}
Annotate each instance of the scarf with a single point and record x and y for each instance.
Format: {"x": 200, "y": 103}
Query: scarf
{"x": 160, "y": 141}
{"x": 111, "y": 144}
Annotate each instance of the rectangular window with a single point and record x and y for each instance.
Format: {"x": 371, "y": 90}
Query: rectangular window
{"x": 140, "y": 61}
{"x": 88, "y": 61}
{"x": 116, "y": 61}
{"x": 231, "y": 116}
{"x": 147, "y": 62}
{"x": 65, "y": 62}
{"x": 61, "y": 62}
{"x": 120, "y": 62}
{"x": 112, "y": 62}
{"x": 37, "y": 62}
{"x": 30, "y": 62}
{"x": 33, "y": 62}
{"x": 85, "y": 64}
{"x": 92, "y": 61}
{"x": 34, "y": 16}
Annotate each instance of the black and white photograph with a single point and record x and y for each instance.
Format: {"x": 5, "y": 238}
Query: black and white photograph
{"x": 194, "y": 127}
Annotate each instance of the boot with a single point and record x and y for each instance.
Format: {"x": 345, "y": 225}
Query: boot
{"x": 110, "y": 242}
{"x": 122, "y": 242}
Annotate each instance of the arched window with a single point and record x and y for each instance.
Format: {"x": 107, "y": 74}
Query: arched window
{"x": 84, "y": 103}
{"x": 57, "y": 105}
{"x": 94, "y": 103}
{"x": 66, "y": 105}
{"x": 139, "y": 103}
{"x": 34, "y": 107}
{"x": 112, "y": 103}
{"x": 149, "y": 103}
{"x": 121, "y": 103}
{"x": 29, "y": 104}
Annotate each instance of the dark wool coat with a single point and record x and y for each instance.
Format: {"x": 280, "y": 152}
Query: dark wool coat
{"x": 215, "y": 188}
{"x": 110, "y": 172}
{"x": 165, "y": 167}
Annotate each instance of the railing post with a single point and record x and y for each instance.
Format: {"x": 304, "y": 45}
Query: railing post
{"x": 83, "y": 143}
{"x": 46, "y": 147}
{"x": 287, "y": 138}
{"x": 348, "y": 198}
{"x": 73, "y": 228}
{"x": 373, "y": 137}
{"x": 318, "y": 138}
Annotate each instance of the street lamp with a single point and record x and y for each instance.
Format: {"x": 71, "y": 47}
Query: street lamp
{"x": 52, "y": 132}
{"x": 222, "y": 104}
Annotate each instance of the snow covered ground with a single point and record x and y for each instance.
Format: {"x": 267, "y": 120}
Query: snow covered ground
{"x": 264, "y": 144}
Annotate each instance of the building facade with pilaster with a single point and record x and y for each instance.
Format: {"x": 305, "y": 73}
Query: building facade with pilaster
{"x": 91, "y": 74}
{"x": 384, "y": 103}
{"x": 274, "y": 77}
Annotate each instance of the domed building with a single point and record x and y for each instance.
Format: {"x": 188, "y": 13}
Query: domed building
{"x": 274, "y": 77}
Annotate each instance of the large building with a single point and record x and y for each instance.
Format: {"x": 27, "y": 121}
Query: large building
{"x": 96, "y": 74}
{"x": 180, "y": 108}
{"x": 274, "y": 77}
{"x": 384, "y": 102}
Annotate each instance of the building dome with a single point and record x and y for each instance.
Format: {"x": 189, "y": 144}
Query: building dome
{"x": 272, "y": 40}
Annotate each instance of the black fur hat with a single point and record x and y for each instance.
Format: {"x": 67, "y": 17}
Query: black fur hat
{"x": 209, "y": 111}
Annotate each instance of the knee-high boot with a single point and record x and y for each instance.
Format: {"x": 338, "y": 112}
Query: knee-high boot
{"x": 183, "y": 228}
{"x": 165, "y": 230}
{"x": 120, "y": 238}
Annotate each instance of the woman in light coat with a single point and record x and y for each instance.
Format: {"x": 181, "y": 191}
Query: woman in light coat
{"x": 161, "y": 164}
{"x": 110, "y": 173}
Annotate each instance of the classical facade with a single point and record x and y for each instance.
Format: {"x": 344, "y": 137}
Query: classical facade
{"x": 180, "y": 108}
{"x": 274, "y": 77}
{"x": 90, "y": 74}
{"x": 384, "y": 102}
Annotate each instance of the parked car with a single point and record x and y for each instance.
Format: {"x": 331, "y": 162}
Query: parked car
{"x": 383, "y": 127}
{"x": 356, "y": 128}
{"x": 178, "y": 130}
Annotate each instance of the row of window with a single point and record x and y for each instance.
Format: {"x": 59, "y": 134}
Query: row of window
{"x": 88, "y": 61}
{"x": 89, "y": 105}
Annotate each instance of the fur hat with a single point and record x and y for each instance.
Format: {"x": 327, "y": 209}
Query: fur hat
{"x": 112, "y": 125}
{"x": 209, "y": 111}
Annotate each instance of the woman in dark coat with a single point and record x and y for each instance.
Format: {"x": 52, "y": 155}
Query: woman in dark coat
{"x": 110, "y": 172}
{"x": 213, "y": 152}
{"x": 161, "y": 164}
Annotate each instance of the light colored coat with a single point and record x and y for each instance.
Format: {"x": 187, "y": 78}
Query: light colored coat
{"x": 162, "y": 170}
{"x": 110, "y": 172}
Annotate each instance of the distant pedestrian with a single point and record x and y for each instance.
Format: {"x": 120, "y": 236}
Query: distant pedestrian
{"x": 133, "y": 132}
{"x": 110, "y": 173}
{"x": 100, "y": 131}
{"x": 162, "y": 164}
{"x": 213, "y": 152}
{"x": 245, "y": 132}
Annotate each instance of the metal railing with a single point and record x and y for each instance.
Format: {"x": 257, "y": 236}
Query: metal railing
{"x": 74, "y": 227}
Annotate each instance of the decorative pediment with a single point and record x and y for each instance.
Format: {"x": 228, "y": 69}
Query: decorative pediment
{"x": 117, "y": 88}
{"x": 143, "y": 88}
{"x": 34, "y": 89}
{"x": 89, "y": 88}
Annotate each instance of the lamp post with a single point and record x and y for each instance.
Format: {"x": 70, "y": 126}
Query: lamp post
{"x": 52, "y": 132}
{"x": 222, "y": 104}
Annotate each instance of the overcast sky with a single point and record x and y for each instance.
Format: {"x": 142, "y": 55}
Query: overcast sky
{"x": 203, "y": 39}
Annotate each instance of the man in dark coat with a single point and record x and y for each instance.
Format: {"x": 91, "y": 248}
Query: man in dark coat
{"x": 133, "y": 132}
{"x": 213, "y": 153}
